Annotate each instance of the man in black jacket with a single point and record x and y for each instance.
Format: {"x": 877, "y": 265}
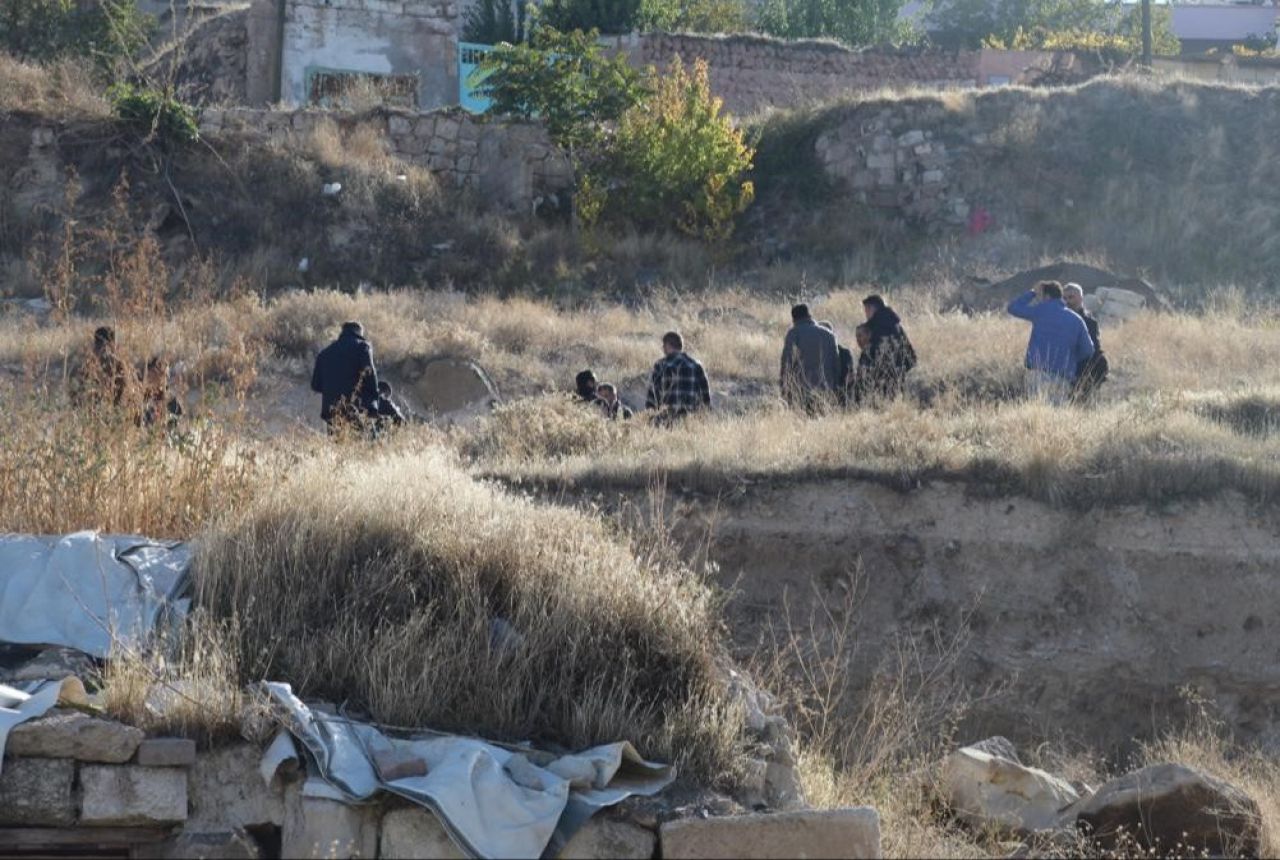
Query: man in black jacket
{"x": 345, "y": 378}
{"x": 889, "y": 351}
{"x": 1093, "y": 371}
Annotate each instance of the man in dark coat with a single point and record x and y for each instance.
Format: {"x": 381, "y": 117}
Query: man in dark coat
{"x": 810, "y": 370}
{"x": 889, "y": 351}
{"x": 1093, "y": 371}
{"x": 345, "y": 378}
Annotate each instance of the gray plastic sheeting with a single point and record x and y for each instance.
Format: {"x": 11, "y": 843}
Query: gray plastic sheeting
{"x": 86, "y": 590}
{"x": 493, "y": 800}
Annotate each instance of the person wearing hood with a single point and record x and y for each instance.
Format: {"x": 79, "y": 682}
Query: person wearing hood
{"x": 889, "y": 353}
{"x": 810, "y": 371}
{"x": 586, "y": 383}
{"x": 345, "y": 378}
{"x": 1059, "y": 345}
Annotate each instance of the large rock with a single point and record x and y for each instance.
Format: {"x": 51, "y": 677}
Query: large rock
{"x": 416, "y": 832}
{"x": 314, "y": 827}
{"x": 991, "y": 792}
{"x": 1172, "y": 809}
{"x": 450, "y": 386}
{"x": 227, "y": 791}
{"x": 604, "y": 837}
{"x": 129, "y": 795}
{"x": 74, "y": 735}
{"x": 37, "y": 792}
{"x": 830, "y": 833}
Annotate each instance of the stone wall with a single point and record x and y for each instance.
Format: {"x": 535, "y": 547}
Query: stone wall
{"x": 893, "y": 165}
{"x": 754, "y": 72}
{"x": 76, "y": 784}
{"x": 511, "y": 165}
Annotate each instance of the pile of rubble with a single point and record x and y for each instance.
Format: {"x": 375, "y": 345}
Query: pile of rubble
{"x": 1161, "y": 810}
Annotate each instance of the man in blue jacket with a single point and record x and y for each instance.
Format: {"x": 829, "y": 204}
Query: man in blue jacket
{"x": 1060, "y": 342}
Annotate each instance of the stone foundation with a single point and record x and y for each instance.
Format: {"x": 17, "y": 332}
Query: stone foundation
{"x": 216, "y": 804}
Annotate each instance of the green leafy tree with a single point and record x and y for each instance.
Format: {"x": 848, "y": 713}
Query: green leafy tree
{"x": 491, "y": 22}
{"x": 853, "y": 22}
{"x": 694, "y": 16}
{"x": 1116, "y": 37}
{"x": 676, "y": 162}
{"x": 563, "y": 79}
{"x": 970, "y": 23}
{"x": 610, "y": 17}
{"x": 106, "y": 31}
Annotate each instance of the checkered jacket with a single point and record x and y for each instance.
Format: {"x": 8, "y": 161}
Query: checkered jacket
{"x": 678, "y": 385}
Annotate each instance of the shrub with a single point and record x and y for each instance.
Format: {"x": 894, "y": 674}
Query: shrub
{"x": 611, "y": 17}
{"x": 694, "y": 16}
{"x": 677, "y": 162}
{"x": 401, "y": 585}
{"x": 155, "y": 114}
{"x": 108, "y": 31}
{"x": 853, "y": 22}
{"x": 565, "y": 80}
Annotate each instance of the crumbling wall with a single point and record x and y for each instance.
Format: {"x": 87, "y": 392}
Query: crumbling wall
{"x": 511, "y": 165}
{"x": 76, "y": 784}
{"x": 375, "y": 37}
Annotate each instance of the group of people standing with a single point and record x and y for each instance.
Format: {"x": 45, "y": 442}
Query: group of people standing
{"x": 1064, "y": 361}
{"x": 818, "y": 373}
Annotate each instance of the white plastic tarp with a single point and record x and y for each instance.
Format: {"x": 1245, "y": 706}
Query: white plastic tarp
{"x": 82, "y": 590}
{"x": 494, "y": 801}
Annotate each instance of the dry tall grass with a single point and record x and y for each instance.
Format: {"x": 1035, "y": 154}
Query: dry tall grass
{"x": 398, "y": 584}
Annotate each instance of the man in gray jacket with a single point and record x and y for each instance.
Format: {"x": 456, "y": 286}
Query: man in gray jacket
{"x": 810, "y": 363}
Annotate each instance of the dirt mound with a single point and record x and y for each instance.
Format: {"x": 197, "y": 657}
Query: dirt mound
{"x": 446, "y": 386}
{"x": 1086, "y": 625}
{"x": 982, "y": 295}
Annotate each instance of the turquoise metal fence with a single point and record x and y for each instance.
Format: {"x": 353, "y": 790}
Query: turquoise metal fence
{"x": 470, "y": 56}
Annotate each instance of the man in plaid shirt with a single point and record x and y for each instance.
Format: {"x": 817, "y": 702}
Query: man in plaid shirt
{"x": 678, "y": 385}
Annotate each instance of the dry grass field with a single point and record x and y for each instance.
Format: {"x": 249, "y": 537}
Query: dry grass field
{"x": 335, "y": 563}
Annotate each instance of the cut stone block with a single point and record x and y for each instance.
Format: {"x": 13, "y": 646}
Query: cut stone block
{"x": 74, "y": 735}
{"x": 227, "y": 791}
{"x": 603, "y": 837}
{"x": 126, "y": 795}
{"x": 167, "y": 752}
{"x": 416, "y": 832}
{"x": 831, "y": 833}
{"x": 314, "y": 827}
{"x": 37, "y": 792}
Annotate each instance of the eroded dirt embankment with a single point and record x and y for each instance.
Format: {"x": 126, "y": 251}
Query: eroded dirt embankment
{"x": 1093, "y": 621}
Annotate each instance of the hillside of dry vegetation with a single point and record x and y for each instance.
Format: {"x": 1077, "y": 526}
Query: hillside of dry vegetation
{"x": 1171, "y": 179}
